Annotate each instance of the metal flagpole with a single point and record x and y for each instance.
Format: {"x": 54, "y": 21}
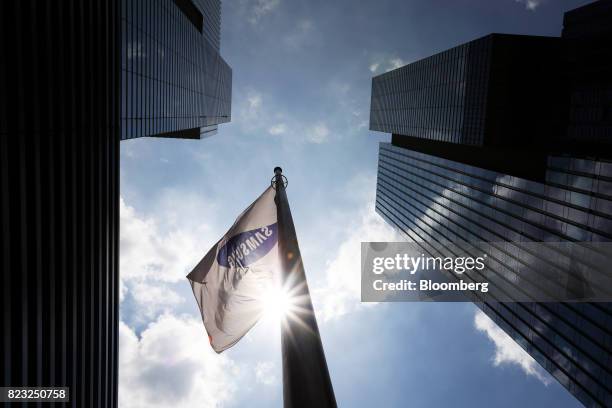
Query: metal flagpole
{"x": 306, "y": 381}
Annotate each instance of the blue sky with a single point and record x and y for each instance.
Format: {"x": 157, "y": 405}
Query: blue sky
{"x": 301, "y": 93}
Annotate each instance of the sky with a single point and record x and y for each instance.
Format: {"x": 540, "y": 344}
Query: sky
{"x": 301, "y": 95}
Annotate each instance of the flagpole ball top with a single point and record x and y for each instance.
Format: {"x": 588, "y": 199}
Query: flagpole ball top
{"x": 278, "y": 172}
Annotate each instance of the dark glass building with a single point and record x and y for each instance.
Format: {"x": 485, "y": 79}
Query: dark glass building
{"x": 174, "y": 83}
{"x": 587, "y": 33}
{"x": 499, "y": 90}
{"x": 76, "y": 77}
{"x": 458, "y": 170}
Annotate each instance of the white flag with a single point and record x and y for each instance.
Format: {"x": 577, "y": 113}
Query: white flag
{"x": 231, "y": 281}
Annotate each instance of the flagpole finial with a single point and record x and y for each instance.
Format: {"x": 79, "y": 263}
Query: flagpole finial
{"x": 279, "y": 178}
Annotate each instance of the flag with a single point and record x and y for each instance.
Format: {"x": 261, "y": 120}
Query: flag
{"x": 232, "y": 280}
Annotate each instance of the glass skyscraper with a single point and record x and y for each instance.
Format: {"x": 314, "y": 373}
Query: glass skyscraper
{"x": 433, "y": 200}
{"x": 587, "y": 33}
{"x": 496, "y": 90}
{"x": 458, "y": 170}
{"x": 174, "y": 82}
{"x": 76, "y": 77}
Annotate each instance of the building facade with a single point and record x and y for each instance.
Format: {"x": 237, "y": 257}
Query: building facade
{"x": 588, "y": 35}
{"x": 433, "y": 200}
{"x": 479, "y": 183}
{"x": 67, "y": 77}
{"x": 475, "y": 94}
{"x": 174, "y": 82}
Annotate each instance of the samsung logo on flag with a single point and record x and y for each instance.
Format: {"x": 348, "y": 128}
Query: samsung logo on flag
{"x": 247, "y": 247}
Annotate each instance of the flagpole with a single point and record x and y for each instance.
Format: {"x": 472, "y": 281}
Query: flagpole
{"x": 306, "y": 381}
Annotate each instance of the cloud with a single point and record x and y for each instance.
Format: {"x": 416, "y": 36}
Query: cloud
{"x": 261, "y": 8}
{"x": 158, "y": 252}
{"x": 153, "y": 299}
{"x": 122, "y": 290}
{"x": 254, "y": 101}
{"x": 507, "y": 351}
{"x": 149, "y": 251}
{"x": 265, "y": 373}
{"x": 386, "y": 64}
{"x": 253, "y": 113}
{"x": 318, "y": 133}
{"x": 171, "y": 364}
{"x": 278, "y": 129}
{"x": 395, "y": 63}
{"x": 260, "y": 114}
{"x": 530, "y": 5}
{"x": 256, "y": 111}
{"x": 340, "y": 293}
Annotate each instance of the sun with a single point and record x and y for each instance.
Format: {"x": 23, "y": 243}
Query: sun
{"x": 277, "y": 303}
{"x": 285, "y": 303}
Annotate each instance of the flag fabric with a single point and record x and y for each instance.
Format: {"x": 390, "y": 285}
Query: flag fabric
{"x": 231, "y": 281}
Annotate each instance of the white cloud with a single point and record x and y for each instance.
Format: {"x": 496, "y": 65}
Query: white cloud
{"x": 150, "y": 251}
{"x": 265, "y": 373}
{"x": 157, "y": 253}
{"x": 341, "y": 291}
{"x": 122, "y": 290}
{"x": 153, "y": 299}
{"x": 171, "y": 364}
{"x": 278, "y": 129}
{"x": 507, "y": 351}
{"x": 530, "y": 5}
{"x": 251, "y": 114}
{"x": 254, "y": 101}
{"x": 395, "y": 63}
{"x": 318, "y": 133}
{"x": 261, "y": 8}
{"x": 261, "y": 114}
{"x": 257, "y": 110}
{"x": 386, "y": 64}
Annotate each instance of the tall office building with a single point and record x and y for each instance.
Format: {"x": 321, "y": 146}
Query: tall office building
{"x": 76, "y": 77}
{"x": 174, "y": 82}
{"x": 472, "y": 159}
{"x": 587, "y": 33}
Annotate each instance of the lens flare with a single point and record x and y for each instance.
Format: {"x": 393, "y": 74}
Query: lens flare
{"x": 276, "y": 303}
